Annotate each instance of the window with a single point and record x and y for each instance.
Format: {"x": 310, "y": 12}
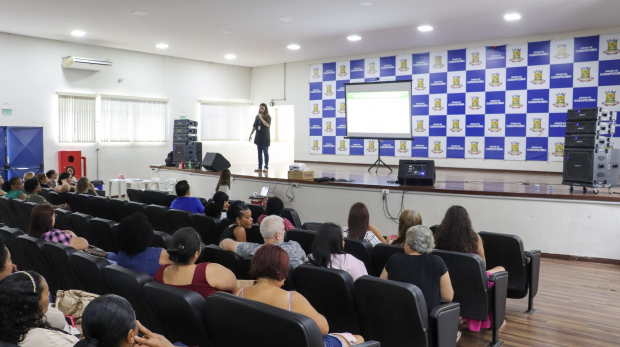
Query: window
{"x": 284, "y": 122}
{"x": 77, "y": 118}
{"x": 225, "y": 121}
{"x": 129, "y": 120}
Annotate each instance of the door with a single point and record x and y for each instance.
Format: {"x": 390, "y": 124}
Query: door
{"x": 24, "y": 149}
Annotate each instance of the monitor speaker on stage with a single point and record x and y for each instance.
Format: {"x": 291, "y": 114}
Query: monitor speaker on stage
{"x": 215, "y": 162}
{"x": 184, "y": 152}
{"x": 416, "y": 172}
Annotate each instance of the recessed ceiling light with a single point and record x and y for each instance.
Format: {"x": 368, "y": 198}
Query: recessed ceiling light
{"x": 287, "y": 19}
{"x": 78, "y": 33}
{"x": 139, "y": 13}
{"x": 230, "y": 56}
{"x": 354, "y": 38}
{"x": 161, "y": 46}
{"x": 425, "y": 28}
{"x": 366, "y": 3}
{"x": 226, "y": 32}
{"x": 512, "y": 16}
{"x": 293, "y": 47}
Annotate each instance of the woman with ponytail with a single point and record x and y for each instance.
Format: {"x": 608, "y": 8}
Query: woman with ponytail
{"x": 217, "y": 206}
{"x": 204, "y": 278}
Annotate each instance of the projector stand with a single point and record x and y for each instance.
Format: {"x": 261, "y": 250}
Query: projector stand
{"x": 379, "y": 161}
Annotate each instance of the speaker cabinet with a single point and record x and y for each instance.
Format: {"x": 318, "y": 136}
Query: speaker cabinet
{"x": 416, "y": 172}
{"x": 182, "y": 152}
{"x": 215, "y": 162}
{"x": 185, "y": 131}
{"x": 589, "y": 114}
{"x": 581, "y": 128}
{"x": 184, "y": 138}
{"x": 185, "y": 123}
{"x": 587, "y": 141}
{"x": 591, "y": 167}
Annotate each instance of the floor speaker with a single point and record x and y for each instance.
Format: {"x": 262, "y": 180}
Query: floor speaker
{"x": 591, "y": 167}
{"x": 215, "y": 162}
{"x": 184, "y": 152}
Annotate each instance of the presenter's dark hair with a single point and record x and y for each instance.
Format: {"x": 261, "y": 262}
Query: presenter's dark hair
{"x": 215, "y": 205}
{"x": 6, "y": 186}
{"x": 184, "y": 244}
{"x": 134, "y": 234}
{"x": 359, "y": 220}
{"x": 328, "y": 241}
{"x": 455, "y": 232}
{"x": 274, "y": 206}
{"x": 182, "y": 187}
{"x": 266, "y": 115}
{"x": 31, "y": 185}
{"x": 63, "y": 176}
{"x": 106, "y": 322}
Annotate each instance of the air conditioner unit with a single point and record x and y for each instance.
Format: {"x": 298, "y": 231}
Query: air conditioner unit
{"x": 85, "y": 63}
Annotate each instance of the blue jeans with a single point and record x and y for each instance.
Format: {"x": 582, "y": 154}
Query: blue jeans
{"x": 262, "y": 149}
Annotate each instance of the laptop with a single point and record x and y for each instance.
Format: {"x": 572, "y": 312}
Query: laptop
{"x": 263, "y": 193}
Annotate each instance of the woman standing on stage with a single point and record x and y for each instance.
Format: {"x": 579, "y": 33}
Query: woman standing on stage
{"x": 262, "y": 138}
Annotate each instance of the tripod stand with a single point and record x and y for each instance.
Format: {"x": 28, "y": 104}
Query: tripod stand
{"x": 379, "y": 161}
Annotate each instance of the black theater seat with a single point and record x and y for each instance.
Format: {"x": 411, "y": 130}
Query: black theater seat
{"x": 7, "y": 214}
{"x": 118, "y": 209}
{"x": 253, "y": 234}
{"x": 208, "y": 228}
{"x": 133, "y": 207}
{"x": 178, "y": 219}
{"x": 229, "y": 260}
{"x": 154, "y": 197}
{"x": 103, "y": 231}
{"x": 312, "y": 226}
{"x": 361, "y": 250}
{"x": 63, "y": 220}
{"x": 81, "y": 226}
{"x": 256, "y": 210}
{"x": 161, "y": 239}
{"x": 101, "y": 207}
{"x": 134, "y": 195}
{"x": 33, "y": 249}
{"x": 69, "y": 198}
{"x": 305, "y": 238}
{"x": 395, "y": 313}
{"x": 53, "y": 198}
{"x": 382, "y": 252}
{"x": 27, "y": 212}
{"x": 9, "y": 235}
{"x": 90, "y": 270}
{"x": 292, "y": 217}
{"x": 83, "y": 204}
{"x": 19, "y": 219}
{"x": 59, "y": 256}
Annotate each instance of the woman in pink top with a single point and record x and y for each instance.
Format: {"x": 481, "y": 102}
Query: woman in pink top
{"x": 327, "y": 251}
{"x": 275, "y": 207}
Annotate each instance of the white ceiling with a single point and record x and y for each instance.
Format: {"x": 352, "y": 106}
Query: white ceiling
{"x": 193, "y": 28}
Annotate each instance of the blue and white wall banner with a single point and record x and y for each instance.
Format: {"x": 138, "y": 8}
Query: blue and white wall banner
{"x": 497, "y": 102}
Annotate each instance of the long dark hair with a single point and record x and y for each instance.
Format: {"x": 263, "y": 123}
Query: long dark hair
{"x": 266, "y": 115}
{"x": 359, "y": 220}
{"x": 6, "y": 186}
{"x": 455, "y": 233}
{"x": 274, "y": 206}
{"x": 41, "y": 220}
{"x": 224, "y": 179}
{"x": 184, "y": 244}
{"x": 20, "y": 310}
{"x": 134, "y": 234}
{"x": 63, "y": 176}
{"x": 215, "y": 205}
{"x": 4, "y": 254}
{"x": 328, "y": 241}
{"x": 106, "y": 322}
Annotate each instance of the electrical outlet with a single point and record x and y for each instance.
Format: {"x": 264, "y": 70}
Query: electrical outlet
{"x": 385, "y": 191}
{"x": 296, "y": 185}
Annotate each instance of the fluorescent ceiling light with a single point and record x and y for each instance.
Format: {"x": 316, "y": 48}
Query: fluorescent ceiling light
{"x": 230, "y": 56}
{"x": 287, "y": 19}
{"x": 512, "y": 16}
{"x": 354, "y": 38}
{"x": 161, "y": 46}
{"x": 425, "y": 28}
{"x": 366, "y": 3}
{"x": 293, "y": 47}
{"x": 78, "y": 33}
{"x": 139, "y": 13}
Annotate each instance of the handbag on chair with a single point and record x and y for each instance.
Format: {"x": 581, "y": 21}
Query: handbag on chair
{"x": 73, "y": 303}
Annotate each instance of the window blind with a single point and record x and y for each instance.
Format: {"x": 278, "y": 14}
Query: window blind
{"x": 128, "y": 120}
{"x": 77, "y": 118}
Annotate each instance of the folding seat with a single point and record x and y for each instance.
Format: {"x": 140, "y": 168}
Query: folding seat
{"x": 19, "y": 215}
{"x": 246, "y": 265}
{"x": 256, "y": 210}
{"x": 134, "y": 194}
{"x": 361, "y": 250}
{"x": 129, "y": 284}
{"x": 59, "y": 256}
{"x": 292, "y": 217}
{"x": 69, "y": 198}
{"x": 25, "y": 212}
{"x": 103, "y": 231}
{"x": 524, "y": 267}
{"x": 169, "y": 199}
{"x": 83, "y": 204}
{"x": 7, "y": 215}
{"x": 178, "y": 219}
{"x": 434, "y": 228}
{"x": 262, "y": 324}
{"x": 382, "y": 252}
{"x": 181, "y": 311}
{"x": 33, "y": 249}
{"x": 118, "y": 209}
{"x": 161, "y": 239}
{"x": 63, "y": 220}
{"x": 330, "y": 292}
{"x": 208, "y": 228}
{"x": 225, "y": 223}
{"x": 395, "y": 313}
{"x": 89, "y": 268}
{"x": 157, "y": 217}
{"x": 231, "y": 261}
{"x": 133, "y": 207}
{"x": 9, "y": 235}
{"x": 312, "y": 226}
{"x": 471, "y": 289}
{"x": 81, "y": 227}
{"x": 53, "y": 198}
{"x": 101, "y": 207}
{"x": 305, "y": 238}
{"x": 154, "y": 197}
{"x": 253, "y": 234}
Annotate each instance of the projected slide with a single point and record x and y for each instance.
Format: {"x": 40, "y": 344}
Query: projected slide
{"x": 379, "y": 110}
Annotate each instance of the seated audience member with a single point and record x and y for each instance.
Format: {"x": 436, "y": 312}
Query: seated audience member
{"x": 43, "y": 180}
{"x": 241, "y": 216}
{"x": 407, "y": 219}
{"x": 42, "y": 222}
{"x": 270, "y": 267}
{"x": 421, "y": 268}
{"x": 328, "y": 251}
{"x": 33, "y": 191}
{"x": 223, "y": 185}
{"x": 272, "y": 229}
{"x": 71, "y": 171}
{"x": 2, "y": 192}
{"x": 28, "y": 175}
{"x": 25, "y": 300}
{"x": 85, "y": 187}
{"x": 184, "y": 201}
{"x": 52, "y": 176}
{"x": 110, "y": 321}
{"x": 274, "y": 208}
{"x": 134, "y": 235}
{"x": 217, "y": 206}
{"x": 64, "y": 183}
{"x": 14, "y": 188}
{"x": 204, "y": 278}
{"x": 360, "y": 227}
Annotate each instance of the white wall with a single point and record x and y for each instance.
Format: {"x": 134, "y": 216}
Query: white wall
{"x": 267, "y": 83}
{"x": 30, "y": 76}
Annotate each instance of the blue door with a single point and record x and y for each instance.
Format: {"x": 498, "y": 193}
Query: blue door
{"x": 3, "y": 171}
{"x": 24, "y": 150}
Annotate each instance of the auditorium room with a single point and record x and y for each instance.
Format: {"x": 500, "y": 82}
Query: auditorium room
{"x": 309, "y": 173}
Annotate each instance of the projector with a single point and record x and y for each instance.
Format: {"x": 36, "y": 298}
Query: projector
{"x": 297, "y": 167}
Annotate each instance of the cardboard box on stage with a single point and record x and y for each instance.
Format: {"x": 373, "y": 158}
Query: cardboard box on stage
{"x": 301, "y": 175}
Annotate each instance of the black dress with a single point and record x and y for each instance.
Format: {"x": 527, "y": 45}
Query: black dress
{"x": 262, "y": 137}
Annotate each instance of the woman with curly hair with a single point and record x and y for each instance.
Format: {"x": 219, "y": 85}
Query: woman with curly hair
{"x": 25, "y": 299}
